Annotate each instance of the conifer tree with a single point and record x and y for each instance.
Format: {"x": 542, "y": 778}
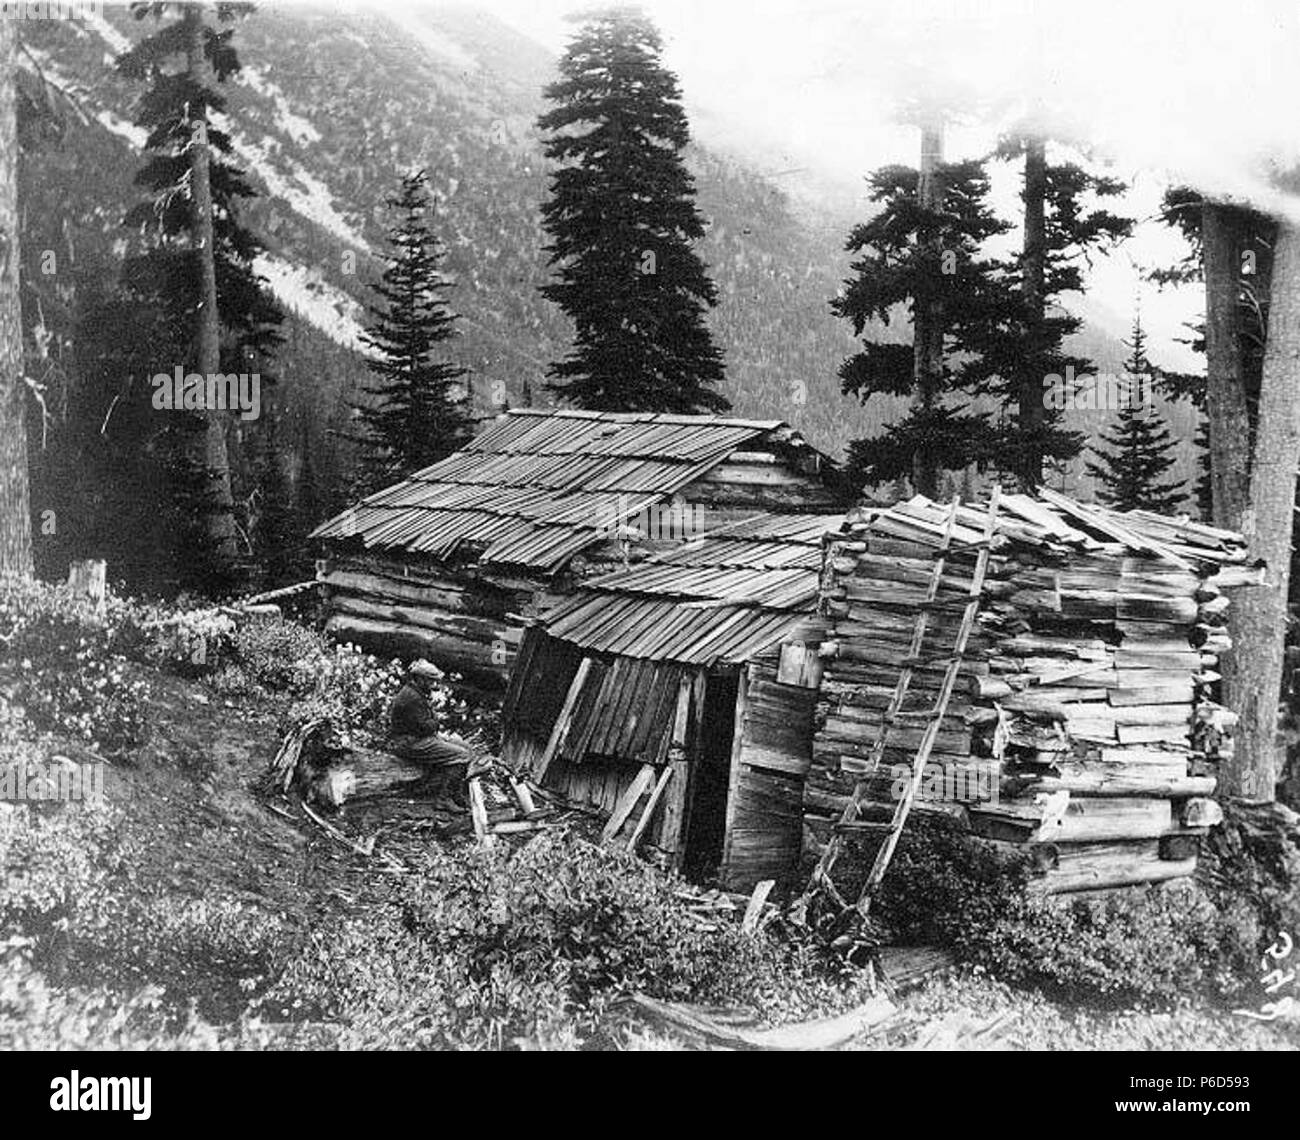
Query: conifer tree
{"x": 194, "y": 263}
{"x": 1019, "y": 344}
{"x": 418, "y": 413}
{"x": 622, "y": 221}
{"x": 1139, "y": 452}
{"x": 922, "y": 251}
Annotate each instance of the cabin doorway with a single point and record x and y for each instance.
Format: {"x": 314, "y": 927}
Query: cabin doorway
{"x": 707, "y": 822}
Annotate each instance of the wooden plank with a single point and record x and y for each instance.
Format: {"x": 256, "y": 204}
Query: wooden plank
{"x": 733, "y": 777}
{"x": 650, "y": 806}
{"x": 640, "y": 782}
{"x": 478, "y": 812}
{"x": 672, "y": 831}
{"x": 564, "y": 721}
{"x": 1102, "y": 784}
{"x": 757, "y": 900}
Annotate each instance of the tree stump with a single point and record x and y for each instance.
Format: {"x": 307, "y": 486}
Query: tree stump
{"x": 88, "y": 580}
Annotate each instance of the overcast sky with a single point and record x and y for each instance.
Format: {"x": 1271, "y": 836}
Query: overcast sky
{"x": 1163, "y": 91}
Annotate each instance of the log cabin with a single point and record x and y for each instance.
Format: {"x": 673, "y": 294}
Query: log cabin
{"x": 1082, "y": 705}
{"x": 727, "y": 699}
{"x": 450, "y": 563}
{"x": 678, "y": 697}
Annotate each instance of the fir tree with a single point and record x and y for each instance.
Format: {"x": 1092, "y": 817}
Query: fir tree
{"x": 1019, "y": 343}
{"x": 1140, "y": 449}
{"x": 418, "y": 412}
{"x": 195, "y": 264}
{"x": 622, "y": 219}
{"x": 1204, "y": 489}
{"x": 924, "y": 255}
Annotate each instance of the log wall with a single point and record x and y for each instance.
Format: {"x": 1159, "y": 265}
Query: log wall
{"x": 469, "y": 618}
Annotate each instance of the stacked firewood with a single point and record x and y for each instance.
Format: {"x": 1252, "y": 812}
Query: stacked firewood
{"x": 1082, "y": 723}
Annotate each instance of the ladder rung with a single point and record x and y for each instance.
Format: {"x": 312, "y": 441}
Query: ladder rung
{"x": 913, "y": 662}
{"x": 948, "y": 605}
{"x": 913, "y": 717}
{"x": 866, "y": 826}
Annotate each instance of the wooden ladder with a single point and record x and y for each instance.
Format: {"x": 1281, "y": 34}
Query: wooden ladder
{"x": 932, "y": 718}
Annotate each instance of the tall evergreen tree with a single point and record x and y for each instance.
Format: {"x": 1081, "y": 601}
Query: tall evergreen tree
{"x": 1139, "y": 452}
{"x": 1020, "y": 343}
{"x": 15, "y": 509}
{"x": 196, "y": 260}
{"x": 921, "y": 251}
{"x": 417, "y": 414}
{"x": 622, "y": 220}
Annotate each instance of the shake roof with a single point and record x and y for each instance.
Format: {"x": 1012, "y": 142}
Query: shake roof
{"x": 726, "y": 597}
{"x": 538, "y": 487}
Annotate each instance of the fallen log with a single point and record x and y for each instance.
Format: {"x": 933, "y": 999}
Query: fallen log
{"x": 822, "y": 1034}
{"x": 363, "y": 773}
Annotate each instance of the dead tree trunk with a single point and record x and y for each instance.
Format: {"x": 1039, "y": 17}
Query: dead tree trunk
{"x": 1261, "y": 614}
{"x": 1225, "y": 388}
{"x": 1225, "y": 399}
{"x": 1034, "y": 266}
{"x": 927, "y": 317}
{"x": 15, "y": 504}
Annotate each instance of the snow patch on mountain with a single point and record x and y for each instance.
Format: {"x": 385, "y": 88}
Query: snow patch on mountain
{"x": 295, "y": 126}
{"x": 304, "y": 292}
{"x": 109, "y": 34}
{"x": 304, "y": 193}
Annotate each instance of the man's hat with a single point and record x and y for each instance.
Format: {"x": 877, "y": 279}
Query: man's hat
{"x": 423, "y": 668}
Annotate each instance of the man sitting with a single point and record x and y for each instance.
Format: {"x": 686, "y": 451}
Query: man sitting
{"x": 413, "y": 735}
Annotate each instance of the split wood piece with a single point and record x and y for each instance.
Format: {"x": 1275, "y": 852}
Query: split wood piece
{"x": 823, "y": 1034}
{"x": 821, "y": 876}
{"x": 635, "y": 790}
{"x": 363, "y": 849}
{"x": 1104, "y": 784}
{"x": 523, "y": 795}
{"x": 88, "y": 581}
{"x": 754, "y": 909}
{"x": 516, "y": 826}
{"x": 478, "y": 812}
{"x": 650, "y": 806}
{"x": 564, "y": 721}
{"x": 885, "y": 855}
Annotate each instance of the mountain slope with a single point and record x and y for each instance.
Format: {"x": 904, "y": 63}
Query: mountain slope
{"x": 332, "y": 107}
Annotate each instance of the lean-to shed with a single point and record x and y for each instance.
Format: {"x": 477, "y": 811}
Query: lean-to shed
{"x": 678, "y": 696}
{"x": 449, "y": 563}
{"x": 1081, "y": 724}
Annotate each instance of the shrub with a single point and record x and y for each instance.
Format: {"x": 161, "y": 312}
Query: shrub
{"x": 490, "y": 948}
{"x": 279, "y": 655}
{"x": 72, "y": 678}
{"x": 353, "y": 690}
{"x": 55, "y": 863}
{"x": 212, "y": 953}
{"x": 1145, "y": 945}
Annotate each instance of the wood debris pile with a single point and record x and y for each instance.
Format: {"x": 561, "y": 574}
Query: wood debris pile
{"x": 1081, "y": 724}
